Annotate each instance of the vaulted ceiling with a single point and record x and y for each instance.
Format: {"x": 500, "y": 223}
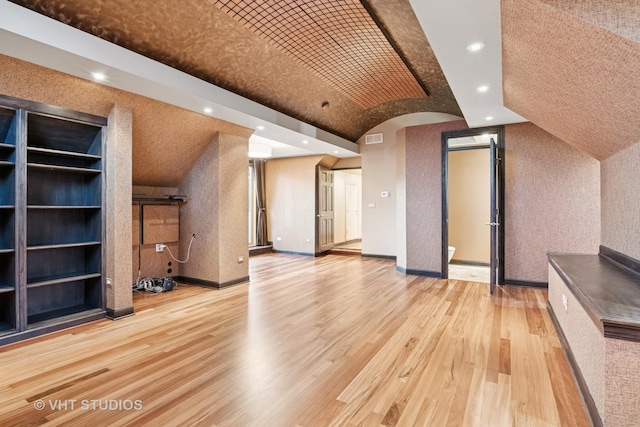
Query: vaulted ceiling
{"x": 341, "y": 65}
{"x": 319, "y": 70}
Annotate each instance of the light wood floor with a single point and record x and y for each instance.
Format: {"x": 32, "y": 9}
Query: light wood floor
{"x": 335, "y": 340}
{"x": 472, "y": 273}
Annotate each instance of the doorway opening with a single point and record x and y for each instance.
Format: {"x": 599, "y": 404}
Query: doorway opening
{"x": 347, "y": 194}
{"x": 472, "y": 232}
{"x": 338, "y": 211}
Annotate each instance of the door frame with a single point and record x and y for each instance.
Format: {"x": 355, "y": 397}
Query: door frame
{"x": 498, "y": 196}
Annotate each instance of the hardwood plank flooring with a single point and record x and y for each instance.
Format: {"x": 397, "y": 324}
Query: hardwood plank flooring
{"x": 331, "y": 341}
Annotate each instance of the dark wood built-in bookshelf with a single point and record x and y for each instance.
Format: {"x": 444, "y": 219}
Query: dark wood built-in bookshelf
{"x": 8, "y": 293}
{"x": 51, "y": 218}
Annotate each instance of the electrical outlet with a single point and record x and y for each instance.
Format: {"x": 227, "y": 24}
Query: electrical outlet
{"x": 159, "y": 247}
{"x": 565, "y": 302}
{"x": 240, "y": 259}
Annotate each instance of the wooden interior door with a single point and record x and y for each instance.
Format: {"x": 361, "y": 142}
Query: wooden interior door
{"x": 497, "y": 223}
{"x": 325, "y": 211}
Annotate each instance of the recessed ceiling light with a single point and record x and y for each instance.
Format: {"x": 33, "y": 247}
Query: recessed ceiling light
{"x": 260, "y": 127}
{"x": 208, "y": 110}
{"x": 97, "y": 76}
{"x": 482, "y": 88}
{"x": 305, "y": 141}
{"x": 336, "y": 151}
{"x": 488, "y": 118}
{"x": 475, "y": 47}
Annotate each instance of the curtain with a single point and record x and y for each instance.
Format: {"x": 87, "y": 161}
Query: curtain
{"x": 261, "y": 206}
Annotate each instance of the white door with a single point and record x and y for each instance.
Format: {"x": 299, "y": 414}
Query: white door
{"x": 324, "y": 226}
{"x": 352, "y": 211}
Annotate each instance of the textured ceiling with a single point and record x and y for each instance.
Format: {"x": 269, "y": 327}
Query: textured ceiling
{"x": 290, "y": 55}
{"x": 337, "y": 39}
{"x": 576, "y": 80}
{"x": 168, "y": 139}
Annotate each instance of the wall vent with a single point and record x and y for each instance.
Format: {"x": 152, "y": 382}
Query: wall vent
{"x": 373, "y": 138}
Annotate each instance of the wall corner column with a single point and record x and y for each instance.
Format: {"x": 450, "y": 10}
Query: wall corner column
{"x": 401, "y": 200}
{"x": 118, "y": 181}
{"x": 216, "y": 212}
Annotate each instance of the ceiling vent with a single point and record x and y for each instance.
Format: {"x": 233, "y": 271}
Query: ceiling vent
{"x": 373, "y": 138}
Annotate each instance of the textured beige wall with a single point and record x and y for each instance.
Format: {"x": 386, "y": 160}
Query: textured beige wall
{"x": 470, "y": 204}
{"x": 291, "y": 203}
{"x": 200, "y": 216}
{"x": 618, "y": 16}
{"x": 620, "y": 201}
{"x": 571, "y": 77}
{"x": 552, "y": 201}
{"x": 117, "y": 179}
{"x": 381, "y": 234}
{"x": 401, "y": 199}
{"x": 232, "y": 210}
{"x": 378, "y": 175}
{"x": 585, "y": 339}
{"x": 622, "y": 376}
{"x": 423, "y": 166}
{"x": 167, "y": 140}
{"x": 154, "y": 159}
{"x": 216, "y": 211}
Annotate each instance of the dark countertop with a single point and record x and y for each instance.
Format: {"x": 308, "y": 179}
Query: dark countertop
{"x": 608, "y": 292}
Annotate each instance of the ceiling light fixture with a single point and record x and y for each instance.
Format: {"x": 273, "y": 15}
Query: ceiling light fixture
{"x": 336, "y": 151}
{"x": 482, "y": 89}
{"x": 475, "y": 47}
{"x": 305, "y": 141}
{"x": 260, "y": 127}
{"x": 98, "y": 76}
{"x": 208, "y": 110}
{"x": 488, "y": 118}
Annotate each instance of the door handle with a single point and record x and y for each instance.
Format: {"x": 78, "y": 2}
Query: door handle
{"x": 493, "y": 224}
